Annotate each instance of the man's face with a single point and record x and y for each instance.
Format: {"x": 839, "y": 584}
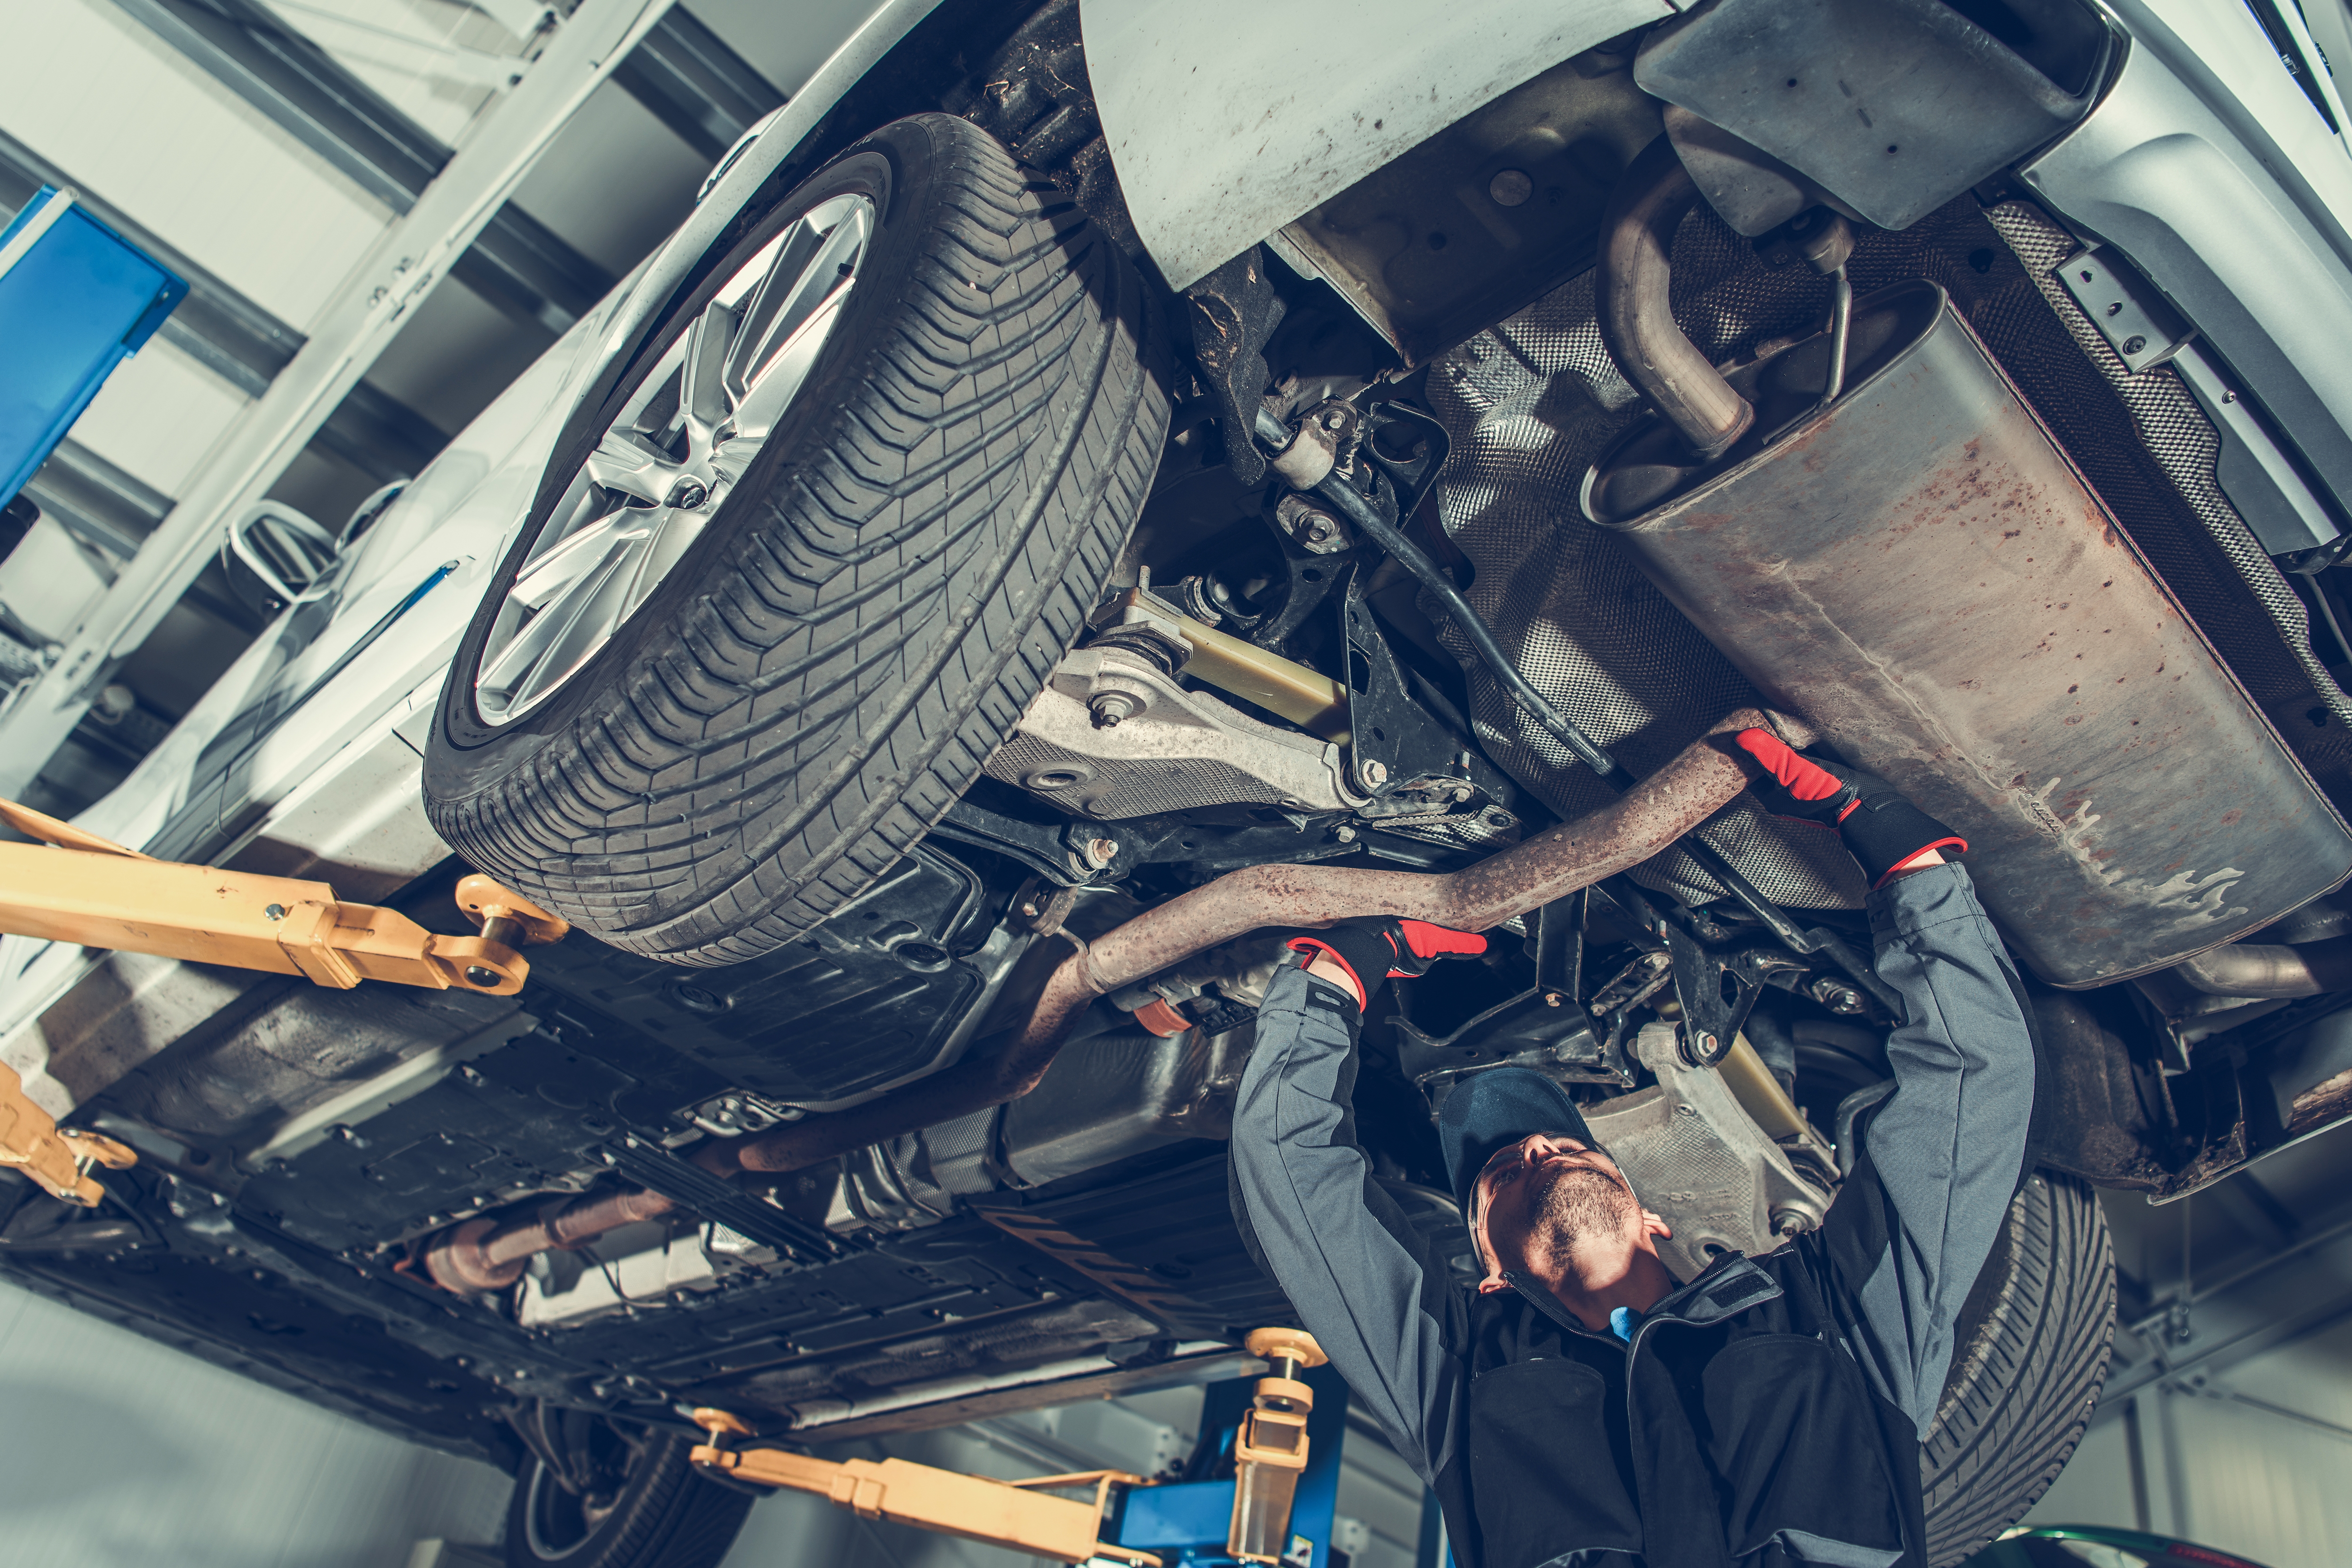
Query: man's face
{"x": 1552, "y": 1204}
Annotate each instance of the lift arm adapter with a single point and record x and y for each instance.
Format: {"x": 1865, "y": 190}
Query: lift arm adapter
{"x": 1015, "y": 1515}
{"x": 84, "y": 889}
{"x": 59, "y": 1159}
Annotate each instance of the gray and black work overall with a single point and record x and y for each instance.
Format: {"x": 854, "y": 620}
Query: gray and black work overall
{"x": 1768, "y": 1412}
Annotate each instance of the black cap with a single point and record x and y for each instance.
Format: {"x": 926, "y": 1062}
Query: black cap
{"x": 1490, "y": 1109}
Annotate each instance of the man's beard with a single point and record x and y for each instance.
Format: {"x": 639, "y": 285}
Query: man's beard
{"x": 1580, "y": 1202}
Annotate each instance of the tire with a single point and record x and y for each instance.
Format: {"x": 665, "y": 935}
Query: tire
{"x": 660, "y": 1515}
{"x": 890, "y": 582}
{"x": 2033, "y": 1343}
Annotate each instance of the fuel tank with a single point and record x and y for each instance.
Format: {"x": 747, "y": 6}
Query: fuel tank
{"x": 1920, "y": 571}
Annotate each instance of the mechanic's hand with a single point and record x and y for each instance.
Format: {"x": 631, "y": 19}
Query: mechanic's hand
{"x": 1376, "y": 948}
{"x": 1885, "y": 831}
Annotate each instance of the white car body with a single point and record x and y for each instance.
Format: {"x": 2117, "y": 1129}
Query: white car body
{"x": 2203, "y": 163}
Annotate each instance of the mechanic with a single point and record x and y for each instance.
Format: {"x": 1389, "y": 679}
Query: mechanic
{"x": 1579, "y": 1407}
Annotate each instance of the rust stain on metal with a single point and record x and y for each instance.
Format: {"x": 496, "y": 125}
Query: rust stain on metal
{"x": 1699, "y": 781}
{"x": 1895, "y": 589}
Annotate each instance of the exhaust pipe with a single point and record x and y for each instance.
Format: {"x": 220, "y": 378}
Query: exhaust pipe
{"x": 1637, "y": 825}
{"x": 487, "y": 1254}
{"x": 1637, "y": 320}
{"x": 2311, "y": 969}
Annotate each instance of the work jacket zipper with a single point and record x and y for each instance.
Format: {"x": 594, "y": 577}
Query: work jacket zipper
{"x": 1545, "y": 1304}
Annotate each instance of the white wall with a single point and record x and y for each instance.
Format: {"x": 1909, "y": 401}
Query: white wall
{"x": 118, "y": 1452}
{"x": 101, "y": 96}
{"x": 2225, "y": 1462}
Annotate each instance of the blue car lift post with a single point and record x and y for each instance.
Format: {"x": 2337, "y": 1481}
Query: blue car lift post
{"x": 1188, "y": 1521}
{"x": 76, "y": 300}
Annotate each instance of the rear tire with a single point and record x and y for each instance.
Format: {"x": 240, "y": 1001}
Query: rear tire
{"x": 661, "y": 1514}
{"x": 2034, "y": 1341}
{"x": 869, "y": 610}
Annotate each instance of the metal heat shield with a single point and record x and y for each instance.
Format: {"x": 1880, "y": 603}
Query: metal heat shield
{"x": 1922, "y": 575}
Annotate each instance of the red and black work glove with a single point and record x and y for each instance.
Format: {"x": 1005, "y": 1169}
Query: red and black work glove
{"x": 1376, "y": 948}
{"x": 1881, "y": 829}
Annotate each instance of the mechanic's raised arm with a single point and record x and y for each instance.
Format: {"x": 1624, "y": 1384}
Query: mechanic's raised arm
{"x": 1370, "y": 1289}
{"x": 1942, "y": 1157}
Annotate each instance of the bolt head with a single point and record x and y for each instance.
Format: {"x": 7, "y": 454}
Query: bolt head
{"x": 1511, "y": 188}
{"x": 1376, "y": 773}
{"x": 1102, "y": 852}
{"x": 275, "y": 912}
{"x": 1333, "y": 419}
{"x": 1345, "y": 834}
{"x": 1110, "y": 708}
{"x": 1318, "y": 528}
{"x": 687, "y": 495}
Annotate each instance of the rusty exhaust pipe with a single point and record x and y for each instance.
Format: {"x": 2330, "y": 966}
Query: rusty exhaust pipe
{"x": 1637, "y": 320}
{"x": 1642, "y": 823}
{"x": 487, "y": 1254}
{"x": 2310, "y": 970}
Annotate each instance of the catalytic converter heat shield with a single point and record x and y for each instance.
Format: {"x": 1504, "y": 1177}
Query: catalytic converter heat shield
{"x": 1921, "y": 573}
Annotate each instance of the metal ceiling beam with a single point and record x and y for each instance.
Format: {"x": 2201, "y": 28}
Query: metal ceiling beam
{"x": 692, "y": 82}
{"x": 399, "y": 273}
{"x": 528, "y": 270}
{"x": 522, "y": 267}
{"x": 279, "y": 71}
{"x": 2296, "y": 1290}
{"x": 97, "y": 502}
{"x": 237, "y": 340}
{"x": 380, "y": 435}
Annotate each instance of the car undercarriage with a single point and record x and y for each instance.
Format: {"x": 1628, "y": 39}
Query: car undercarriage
{"x": 1455, "y": 550}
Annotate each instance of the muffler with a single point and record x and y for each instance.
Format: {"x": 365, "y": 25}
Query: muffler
{"x": 1918, "y": 570}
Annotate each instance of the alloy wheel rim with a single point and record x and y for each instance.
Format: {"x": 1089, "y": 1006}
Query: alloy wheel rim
{"x": 667, "y": 462}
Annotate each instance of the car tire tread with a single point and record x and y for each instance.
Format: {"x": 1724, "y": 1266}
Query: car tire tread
{"x": 900, "y": 594}
{"x": 666, "y": 1516}
{"x": 2033, "y": 1344}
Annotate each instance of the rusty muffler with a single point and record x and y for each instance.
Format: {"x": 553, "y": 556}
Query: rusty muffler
{"x": 1920, "y": 571}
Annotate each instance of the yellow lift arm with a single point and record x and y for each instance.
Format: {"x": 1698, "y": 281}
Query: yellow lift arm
{"x": 1017, "y": 1515}
{"x": 1269, "y": 1452}
{"x": 74, "y": 886}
